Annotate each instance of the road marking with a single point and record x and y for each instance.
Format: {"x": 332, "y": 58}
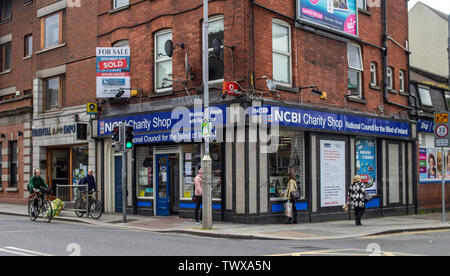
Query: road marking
{"x": 404, "y": 234}
{"x": 14, "y": 252}
{"x": 344, "y": 252}
{"x": 27, "y": 251}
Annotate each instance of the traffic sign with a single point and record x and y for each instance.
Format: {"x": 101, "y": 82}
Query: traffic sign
{"x": 441, "y": 131}
{"x": 441, "y": 118}
{"x": 91, "y": 108}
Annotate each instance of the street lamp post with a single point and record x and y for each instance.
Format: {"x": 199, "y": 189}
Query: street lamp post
{"x": 206, "y": 161}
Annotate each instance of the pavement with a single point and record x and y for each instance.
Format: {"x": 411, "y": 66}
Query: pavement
{"x": 332, "y": 230}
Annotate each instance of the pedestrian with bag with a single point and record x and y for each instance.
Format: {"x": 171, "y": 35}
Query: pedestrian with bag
{"x": 357, "y": 198}
{"x": 198, "y": 194}
{"x": 292, "y": 194}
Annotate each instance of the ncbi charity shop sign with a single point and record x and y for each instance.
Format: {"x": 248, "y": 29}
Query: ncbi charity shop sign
{"x": 337, "y": 15}
{"x": 113, "y": 71}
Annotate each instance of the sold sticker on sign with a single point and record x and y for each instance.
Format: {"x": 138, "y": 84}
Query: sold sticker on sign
{"x": 113, "y": 64}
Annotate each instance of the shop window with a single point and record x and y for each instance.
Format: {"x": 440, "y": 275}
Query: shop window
{"x": 120, "y": 3}
{"x": 28, "y": 46}
{"x": 281, "y": 52}
{"x": 80, "y": 159}
{"x": 216, "y": 65}
{"x": 193, "y": 162}
{"x": 366, "y": 163}
{"x": 51, "y": 30}
{"x": 425, "y": 98}
{"x": 355, "y": 69}
{"x": 287, "y": 160}
{"x": 163, "y": 63}
{"x": 13, "y": 164}
{"x": 144, "y": 172}
{"x": 5, "y": 57}
{"x": 52, "y": 93}
{"x": 395, "y": 173}
{"x": 5, "y": 9}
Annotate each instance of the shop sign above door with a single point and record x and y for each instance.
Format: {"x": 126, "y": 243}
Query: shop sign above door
{"x": 49, "y": 131}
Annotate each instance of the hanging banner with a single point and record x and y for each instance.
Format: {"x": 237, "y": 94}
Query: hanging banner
{"x": 336, "y": 15}
{"x": 332, "y": 173}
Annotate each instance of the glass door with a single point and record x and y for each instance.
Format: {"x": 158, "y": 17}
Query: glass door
{"x": 163, "y": 185}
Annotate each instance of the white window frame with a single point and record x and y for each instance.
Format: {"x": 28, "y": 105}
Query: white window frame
{"x": 390, "y": 78}
{"x": 359, "y": 71}
{"x": 373, "y": 74}
{"x": 401, "y": 76}
{"x": 427, "y": 89}
{"x": 116, "y": 6}
{"x": 287, "y": 54}
{"x": 121, "y": 43}
{"x": 161, "y": 60}
{"x": 364, "y": 3}
{"x": 210, "y": 50}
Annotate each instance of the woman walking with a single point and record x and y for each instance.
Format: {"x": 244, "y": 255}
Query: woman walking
{"x": 292, "y": 186}
{"x": 356, "y": 197}
{"x": 198, "y": 194}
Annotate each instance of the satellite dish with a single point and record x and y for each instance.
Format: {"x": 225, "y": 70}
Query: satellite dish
{"x": 168, "y": 47}
{"x": 217, "y": 47}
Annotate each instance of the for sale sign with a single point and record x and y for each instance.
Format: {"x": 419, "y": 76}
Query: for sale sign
{"x": 113, "y": 71}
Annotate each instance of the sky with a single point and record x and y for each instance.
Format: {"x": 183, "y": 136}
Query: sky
{"x": 442, "y": 5}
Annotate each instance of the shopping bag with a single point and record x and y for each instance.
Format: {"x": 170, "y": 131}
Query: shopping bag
{"x": 288, "y": 209}
{"x": 57, "y": 206}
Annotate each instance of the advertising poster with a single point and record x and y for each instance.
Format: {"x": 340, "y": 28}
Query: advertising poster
{"x": 366, "y": 163}
{"x": 332, "y": 173}
{"x": 113, "y": 71}
{"x": 422, "y": 163}
{"x": 338, "y": 15}
{"x": 430, "y": 164}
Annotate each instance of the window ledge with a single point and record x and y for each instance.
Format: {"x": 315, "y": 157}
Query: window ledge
{"x": 5, "y": 21}
{"x": 156, "y": 94}
{"x": 287, "y": 88}
{"x": 375, "y": 87}
{"x": 51, "y": 48}
{"x": 392, "y": 91}
{"x": 27, "y": 57}
{"x": 366, "y": 12}
{"x": 12, "y": 189}
{"x": 356, "y": 100}
{"x": 5, "y": 72}
{"x": 119, "y": 9}
{"x": 406, "y": 94}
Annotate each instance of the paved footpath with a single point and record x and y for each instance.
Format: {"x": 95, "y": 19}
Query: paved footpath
{"x": 303, "y": 231}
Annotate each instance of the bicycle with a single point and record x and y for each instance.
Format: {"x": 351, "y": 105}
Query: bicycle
{"x": 95, "y": 206}
{"x": 44, "y": 207}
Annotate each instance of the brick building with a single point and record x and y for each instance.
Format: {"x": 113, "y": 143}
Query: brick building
{"x": 362, "y": 127}
{"x": 44, "y": 124}
{"x": 15, "y": 98}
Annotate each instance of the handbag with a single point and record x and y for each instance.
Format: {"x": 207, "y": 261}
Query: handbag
{"x": 295, "y": 195}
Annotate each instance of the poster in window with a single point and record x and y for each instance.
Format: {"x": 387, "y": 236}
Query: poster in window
{"x": 336, "y": 15}
{"x": 366, "y": 163}
{"x": 332, "y": 173}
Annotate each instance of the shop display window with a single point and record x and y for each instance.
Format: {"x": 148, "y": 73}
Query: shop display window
{"x": 144, "y": 172}
{"x": 289, "y": 159}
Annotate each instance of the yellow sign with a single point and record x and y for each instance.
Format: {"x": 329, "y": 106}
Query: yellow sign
{"x": 441, "y": 118}
{"x": 91, "y": 108}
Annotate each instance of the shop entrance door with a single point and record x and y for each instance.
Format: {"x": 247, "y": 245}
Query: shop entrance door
{"x": 162, "y": 185}
{"x": 118, "y": 183}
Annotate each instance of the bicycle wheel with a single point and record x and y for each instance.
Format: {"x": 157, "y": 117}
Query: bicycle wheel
{"x": 47, "y": 211}
{"x": 79, "y": 205}
{"x": 32, "y": 215}
{"x": 95, "y": 209}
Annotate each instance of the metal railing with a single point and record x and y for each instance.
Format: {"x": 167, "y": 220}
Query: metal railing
{"x": 69, "y": 194}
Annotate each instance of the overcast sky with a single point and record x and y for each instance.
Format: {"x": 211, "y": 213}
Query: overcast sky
{"x": 442, "y": 5}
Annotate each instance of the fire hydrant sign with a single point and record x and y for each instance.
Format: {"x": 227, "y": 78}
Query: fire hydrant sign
{"x": 441, "y": 128}
{"x": 113, "y": 71}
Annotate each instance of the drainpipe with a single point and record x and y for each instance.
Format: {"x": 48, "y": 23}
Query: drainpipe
{"x": 385, "y": 58}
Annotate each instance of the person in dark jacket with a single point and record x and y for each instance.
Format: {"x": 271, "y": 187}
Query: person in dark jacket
{"x": 90, "y": 181}
{"x": 36, "y": 183}
{"x": 356, "y": 197}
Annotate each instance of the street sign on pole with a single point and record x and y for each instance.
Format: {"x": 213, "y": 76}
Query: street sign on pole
{"x": 441, "y": 139}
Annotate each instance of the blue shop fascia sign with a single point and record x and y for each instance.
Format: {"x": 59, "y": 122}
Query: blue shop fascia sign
{"x": 319, "y": 120}
{"x": 425, "y": 126}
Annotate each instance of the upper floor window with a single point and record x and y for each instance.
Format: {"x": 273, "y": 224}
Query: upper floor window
{"x": 281, "y": 52}
{"x": 355, "y": 69}
{"x": 362, "y": 4}
{"x": 5, "y": 9}
{"x": 425, "y": 98}
{"x": 5, "y": 57}
{"x": 401, "y": 75}
{"x": 216, "y": 64}
{"x": 390, "y": 78}
{"x": 52, "y": 93}
{"x": 28, "y": 45}
{"x": 163, "y": 63}
{"x": 52, "y": 30}
{"x": 120, "y": 3}
{"x": 373, "y": 74}
{"x": 13, "y": 164}
{"x": 121, "y": 43}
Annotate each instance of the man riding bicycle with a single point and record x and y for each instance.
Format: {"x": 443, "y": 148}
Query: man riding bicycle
{"x": 36, "y": 184}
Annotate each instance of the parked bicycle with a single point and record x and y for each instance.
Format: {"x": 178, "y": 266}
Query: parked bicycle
{"x": 95, "y": 208}
{"x": 43, "y": 207}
